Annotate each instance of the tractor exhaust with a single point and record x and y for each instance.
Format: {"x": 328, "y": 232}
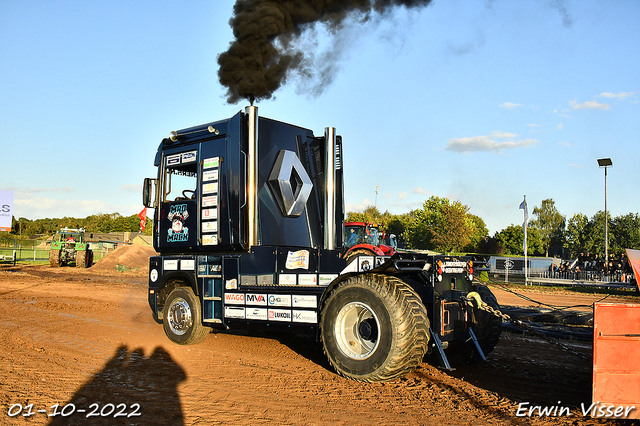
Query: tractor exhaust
{"x": 252, "y": 172}
{"x": 330, "y": 188}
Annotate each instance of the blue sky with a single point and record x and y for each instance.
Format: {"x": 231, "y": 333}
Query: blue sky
{"x": 478, "y": 101}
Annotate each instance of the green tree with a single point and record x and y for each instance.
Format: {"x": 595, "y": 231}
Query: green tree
{"x": 576, "y": 234}
{"x": 440, "y": 225}
{"x": 624, "y": 233}
{"x": 549, "y": 222}
{"x": 478, "y": 233}
{"x": 511, "y": 239}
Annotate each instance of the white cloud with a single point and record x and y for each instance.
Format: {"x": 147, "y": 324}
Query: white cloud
{"x": 387, "y": 195}
{"x": 589, "y": 105}
{"x": 558, "y": 127}
{"x": 533, "y": 125}
{"x": 564, "y": 143}
{"x": 132, "y": 188}
{"x": 402, "y": 195}
{"x": 420, "y": 190}
{"x": 509, "y": 105}
{"x": 30, "y": 207}
{"x": 488, "y": 143}
{"x": 350, "y": 207}
{"x": 621, "y": 95}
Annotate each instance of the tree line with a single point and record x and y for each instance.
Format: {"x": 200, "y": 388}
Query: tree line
{"x": 112, "y": 222}
{"x": 447, "y": 226}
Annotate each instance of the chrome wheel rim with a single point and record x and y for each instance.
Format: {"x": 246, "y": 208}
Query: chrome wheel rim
{"x": 180, "y": 318}
{"x": 357, "y": 330}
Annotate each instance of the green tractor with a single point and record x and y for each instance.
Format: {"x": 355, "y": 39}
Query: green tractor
{"x": 69, "y": 245}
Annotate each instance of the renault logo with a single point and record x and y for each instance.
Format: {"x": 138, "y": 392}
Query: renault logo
{"x": 290, "y": 183}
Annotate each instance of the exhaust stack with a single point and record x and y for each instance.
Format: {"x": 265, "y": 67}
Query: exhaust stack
{"x": 330, "y": 188}
{"x": 252, "y": 172}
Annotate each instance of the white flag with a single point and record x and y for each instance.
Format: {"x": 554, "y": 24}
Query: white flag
{"x": 523, "y": 206}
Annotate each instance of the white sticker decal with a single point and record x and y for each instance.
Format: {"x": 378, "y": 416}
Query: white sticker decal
{"x": 210, "y": 175}
{"x": 297, "y": 259}
{"x": 310, "y": 317}
{"x": 233, "y": 312}
{"x": 234, "y": 298}
{"x": 210, "y": 201}
{"x": 279, "y": 315}
{"x": 351, "y": 267}
{"x": 210, "y": 226}
{"x": 173, "y": 160}
{"x": 256, "y": 313}
{"x": 153, "y": 276}
{"x": 287, "y": 279}
{"x": 171, "y": 265}
{"x": 325, "y": 279}
{"x": 307, "y": 279}
{"x": 209, "y": 188}
{"x": 279, "y": 300}
{"x": 188, "y": 265}
{"x": 209, "y": 240}
{"x": 255, "y": 299}
{"x": 208, "y": 163}
{"x": 301, "y": 301}
{"x": 189, "y": 157}
{"x": 231, "y": 284}
{"x": 365, "y": 263}
{"x": 209, "y": 214}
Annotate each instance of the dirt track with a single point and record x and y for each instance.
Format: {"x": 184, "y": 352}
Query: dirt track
{"x": 87, "y": 337}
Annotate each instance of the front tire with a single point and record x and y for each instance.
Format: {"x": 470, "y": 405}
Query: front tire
{"x": 374, "y": 328}
{"x": 182, "y": 320}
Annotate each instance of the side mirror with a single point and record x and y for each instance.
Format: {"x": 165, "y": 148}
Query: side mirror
{"x": 148, "y": 200}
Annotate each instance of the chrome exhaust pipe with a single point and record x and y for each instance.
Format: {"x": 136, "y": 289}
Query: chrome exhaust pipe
{"x": 252, "y": 174}
{"x": 330, "y": 188}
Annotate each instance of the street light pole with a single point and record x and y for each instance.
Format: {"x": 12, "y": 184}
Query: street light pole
{"x": 605, "y": 162}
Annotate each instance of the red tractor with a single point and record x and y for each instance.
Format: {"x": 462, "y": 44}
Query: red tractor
{"x": 369, "y": 239}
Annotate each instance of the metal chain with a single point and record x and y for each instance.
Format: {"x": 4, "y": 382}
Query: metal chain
{"x": 506, "y": 318}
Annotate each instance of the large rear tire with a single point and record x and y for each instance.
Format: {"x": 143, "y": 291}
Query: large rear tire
{"x": 488, "y": 326}
{"x": 81, "y": 259}
{"x": 374, "y": 328}
{"x": 182, "y": 319}
{"x": 54, "y": 258}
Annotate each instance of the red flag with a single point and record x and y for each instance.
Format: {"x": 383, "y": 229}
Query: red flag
{"x": 143, "y": 219}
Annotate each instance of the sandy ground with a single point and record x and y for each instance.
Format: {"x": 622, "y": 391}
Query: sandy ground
{"x": 87, "y": 338}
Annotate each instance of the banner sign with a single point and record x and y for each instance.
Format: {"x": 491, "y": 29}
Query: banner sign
{"x": 6, "y": 210}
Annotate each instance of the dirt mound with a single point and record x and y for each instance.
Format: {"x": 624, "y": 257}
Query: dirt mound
{"x": 133, "y": 257}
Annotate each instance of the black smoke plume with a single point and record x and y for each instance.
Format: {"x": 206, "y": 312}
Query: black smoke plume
{"x": 265, "y": 50}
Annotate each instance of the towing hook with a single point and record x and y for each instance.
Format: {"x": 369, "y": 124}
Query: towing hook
{"x": 474, "y": 296}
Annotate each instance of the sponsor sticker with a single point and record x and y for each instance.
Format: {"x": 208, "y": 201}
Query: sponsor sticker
{"x": 209, "y": 188}
{"x": 279, "y": 300}
{"x": 209, "y": 163}
{"x": 231, "y": 284}
{"x": 210, "y": 201}
{"x": 280, "y": 315}
{"x": 210, "y": 175}
{"x": 234, "y": 298}
{"x": 173, "y": 160}
{"x": 287, "y": 279}
{"x": 256, "y": 313}
{"x": 297, "y": 259}
{"x": 171, "y": 265}
{"x": 233, "y": 312}
{"x": 302, "y": 301}
{"x": 210, "y": 226}
{"x": 189, "y": 157}
{"x": 305, "y": 316}
{"x": 325, "y": 279}
{"x": 188, "y": 265}
{"x": 307, "y": 279}
{"x": 255, "y": 299}
{"x": 209, "y": 214}
{"x": 365, "y": 263}
{"x": 153, "y": 276}
{"x": 209, "y": 240}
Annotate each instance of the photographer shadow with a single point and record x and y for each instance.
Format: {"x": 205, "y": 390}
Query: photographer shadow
{"x": 130, "y": 389}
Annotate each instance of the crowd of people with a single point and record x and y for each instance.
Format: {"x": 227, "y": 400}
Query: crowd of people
{"x": 593, "y": 266}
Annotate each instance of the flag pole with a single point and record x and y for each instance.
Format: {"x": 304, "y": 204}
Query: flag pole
{"x": 526, "y": 275}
